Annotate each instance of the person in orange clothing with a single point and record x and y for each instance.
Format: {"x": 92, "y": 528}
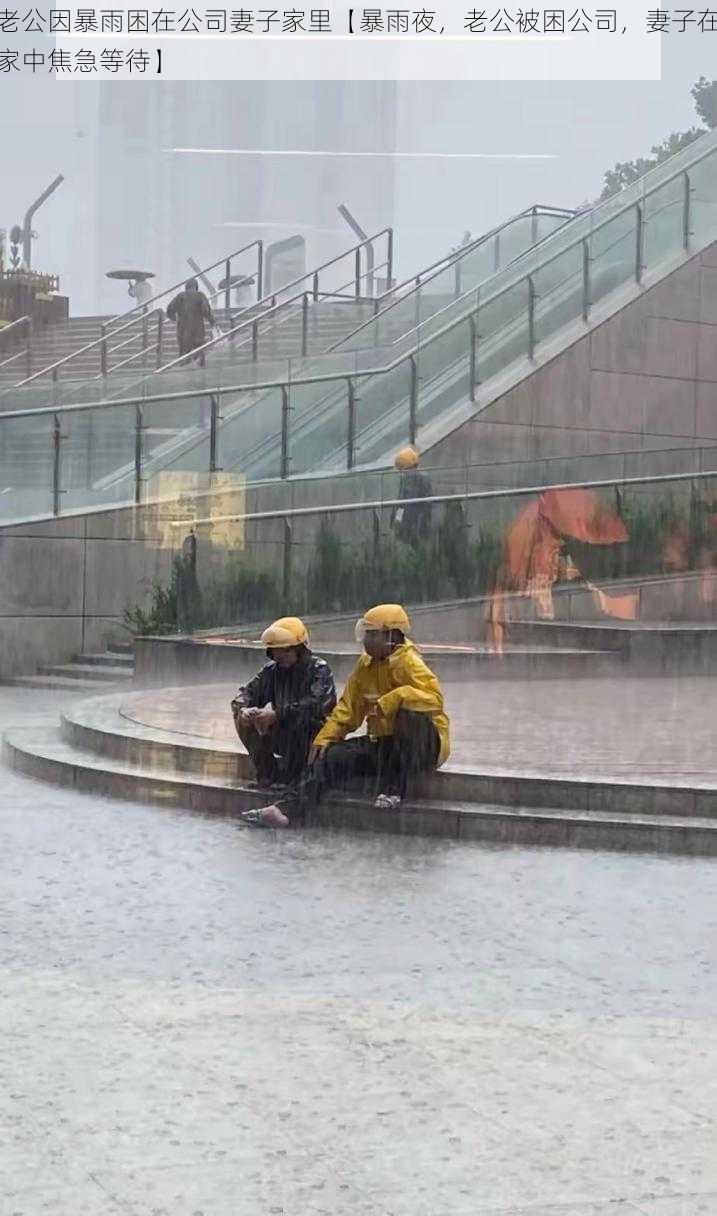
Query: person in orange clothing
{"x": 536, "y": 555}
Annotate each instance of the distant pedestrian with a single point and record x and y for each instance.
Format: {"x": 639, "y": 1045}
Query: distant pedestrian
{"x": 191, "y": 310}
{"x": 141, "y": 291}
{"x": 411, "y": 524}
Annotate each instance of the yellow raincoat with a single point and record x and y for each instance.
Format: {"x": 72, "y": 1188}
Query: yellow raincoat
{"x": 402, "y": 681}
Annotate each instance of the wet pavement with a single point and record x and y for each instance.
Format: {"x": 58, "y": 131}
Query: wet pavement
{"x": 201, "y": 1020}
{"x": 627, "y": 728}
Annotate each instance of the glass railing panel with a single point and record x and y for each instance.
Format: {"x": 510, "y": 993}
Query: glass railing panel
{"x": 382, "y": 413}
{"x": 170, "y": 427}
{"x": 558, "y": 287}
{"x": 514, "y": 239}
{"x": 249, "y": 437}
{"x": 547, "y": 224}
{"x": 98, "y": 457}
{"x": 664, "y": 223}
{"x": 621, "y": 556}
{"x": 476, "y": 267}
{"x": 436, "y": 294}
{"x": 703, "y": 201}
{"x": 444, "y": 372}
{"x": 503, "y": 334}
{"x": 441, "y": 320}
{"x": 318, "y": 425}
{"x": 613, "y": 255}
{"x": 27, "y": 457}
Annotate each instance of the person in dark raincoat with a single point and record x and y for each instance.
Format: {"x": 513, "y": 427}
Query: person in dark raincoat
{"x": 278, "y": 713}
{"x": 190, "y": 309}
{"x": 411, "y": 524}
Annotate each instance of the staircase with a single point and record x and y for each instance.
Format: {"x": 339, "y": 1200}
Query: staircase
{"x": 91, "y": 673}
{"x": 309, "y": 324}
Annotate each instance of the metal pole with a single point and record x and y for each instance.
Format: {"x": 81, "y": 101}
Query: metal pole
{"x": 531, "y": 317}
{"x": 368, "y": 245}
{"x": 55, "y": 378}
{"x": 304, "y": 321}
{"x": 351, "y": 426}
{"x": 103, "y": 352}
{"x": 638, "y": 243}
{"x": 286, "y": 580}
{"x": 227, "y": 288}
{"x": 473, "y": 326}
{"x": 285, "y": 408}
{"x": 417, "y": 302}
{"x": 357, "y": 272}
{"x": 686, "y": 217}
{"x": 213, "y": 427}
{"x": 138, "y": 422}
{"x": 260, "y": 271}
{"x": 533, "y": 226}
{"x": 496, "y": 252}
{"x": 28, "y": 346}
{"x": 389, "y": 260}
{"x": 145, "y": 338}
{"x": 413, "y": 402}
{"x": 586, "y": 280}
{"x": 27, "y": 233}
{"x": 315, "y": 285}
{"x": 255, "y": 341}
{"x": 376, "y": 535}
{"x": 160, "y": 332}
{"x": 56, "y": 442}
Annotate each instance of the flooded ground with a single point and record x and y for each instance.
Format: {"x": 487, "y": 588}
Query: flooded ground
{"x": 200, "y": 1020}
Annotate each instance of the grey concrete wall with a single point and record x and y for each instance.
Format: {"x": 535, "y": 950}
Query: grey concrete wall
{"x": 66, "y": 583}
{"x": 644, "y": 379}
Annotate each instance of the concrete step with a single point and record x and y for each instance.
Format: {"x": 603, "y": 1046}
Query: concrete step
{"x": 88, "y": 672}
{"x": 60, "y": 683}
{"x": 459, "y": 663}
{"x": 50, "y": 757}
{"x": 114, "y": 659}
{"x": 154, "y": 730}
{"x": 115, "y": 648}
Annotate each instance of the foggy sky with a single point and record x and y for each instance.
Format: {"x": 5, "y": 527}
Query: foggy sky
{"x": 49, "y": 128}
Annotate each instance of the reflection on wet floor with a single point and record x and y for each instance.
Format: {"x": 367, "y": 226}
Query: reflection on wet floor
{"x": 623, "y": 727}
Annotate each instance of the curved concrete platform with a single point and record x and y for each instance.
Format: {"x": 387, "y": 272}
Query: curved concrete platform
{"x": 176, "y": 748}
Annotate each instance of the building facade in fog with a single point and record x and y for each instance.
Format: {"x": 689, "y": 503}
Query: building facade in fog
{"x": 157, "y": 206}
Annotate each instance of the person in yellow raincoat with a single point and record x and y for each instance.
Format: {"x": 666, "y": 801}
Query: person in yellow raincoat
{"x": 399, "y": 698}
{"x": 393, "y": 690}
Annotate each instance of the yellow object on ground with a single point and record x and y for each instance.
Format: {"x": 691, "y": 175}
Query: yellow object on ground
{"x": 402, "y": 681}
{"x": 287, "y": 631}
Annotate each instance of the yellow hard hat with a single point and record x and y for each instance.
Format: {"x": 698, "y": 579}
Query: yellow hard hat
{"x": 407, "y": 458}
{"x": 383, "y": 616}
{"x": 287, "y": 631}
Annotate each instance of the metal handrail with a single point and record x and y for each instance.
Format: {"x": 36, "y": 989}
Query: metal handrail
{"x": 456, "y": 255}
{"x": 20, "y": 321}
{"x": 313, "y": 274}
{"x": 26, "y": 322}
{"x": 273, "y": 311}
{"x": 53, "y": 367}
{"x": 379, "y": 504}
{"x": 139, "y": 308}
{"x": 140, "y": 313}
{"x": 221, "y": 390}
